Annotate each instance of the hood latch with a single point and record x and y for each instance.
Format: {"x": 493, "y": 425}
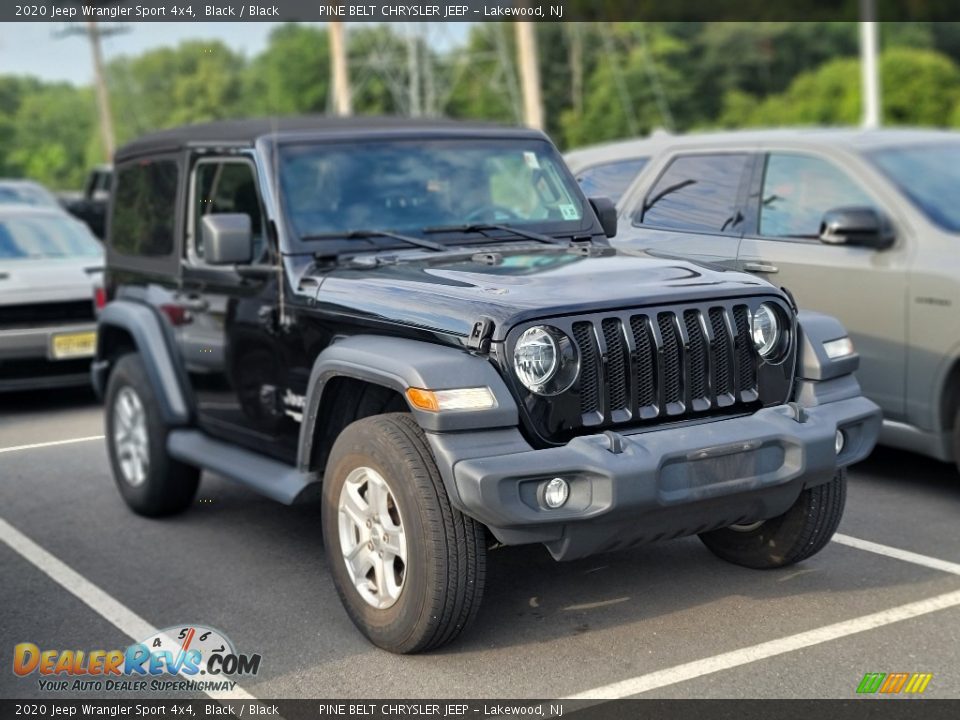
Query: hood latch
{"x": 480, "y": 335}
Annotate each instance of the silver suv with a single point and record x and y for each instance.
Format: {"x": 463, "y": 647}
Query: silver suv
{"x": 863, "y": 225}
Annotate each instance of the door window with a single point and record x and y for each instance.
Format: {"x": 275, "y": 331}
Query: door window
{"x": 610, "y": 180}
{"x": 697, "y": 193}
{"x": 145, "y": 207}
{"x": 226, "y": 186}
{"x": 798, "y": 190}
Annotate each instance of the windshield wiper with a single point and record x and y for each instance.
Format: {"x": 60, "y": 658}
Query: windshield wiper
{"x": 367, "y": 234}
{"x": 480, "y": 227}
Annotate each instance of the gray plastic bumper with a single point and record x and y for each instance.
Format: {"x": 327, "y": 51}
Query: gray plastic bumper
{"x": 663, "y": 483}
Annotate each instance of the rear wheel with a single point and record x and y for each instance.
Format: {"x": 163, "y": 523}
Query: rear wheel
{"x": 149, "y": 480}
{"x": 801, "y": 532}
{"x": 408, "y": 566}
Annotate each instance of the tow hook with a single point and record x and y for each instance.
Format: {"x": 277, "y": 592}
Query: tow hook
{"x": 616, "y": 442}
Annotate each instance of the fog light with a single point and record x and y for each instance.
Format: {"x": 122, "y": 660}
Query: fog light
{"x": 840, "y": 441}
{"x": 556, "y": 492}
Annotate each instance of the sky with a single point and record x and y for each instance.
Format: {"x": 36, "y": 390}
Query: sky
{"x": 34, "y": 49}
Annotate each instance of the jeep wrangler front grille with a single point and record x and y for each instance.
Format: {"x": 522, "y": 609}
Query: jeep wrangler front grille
{"x": 648, "y": 366}
{"x": 665, "y": 364}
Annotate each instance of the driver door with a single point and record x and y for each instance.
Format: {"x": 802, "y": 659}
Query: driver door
{"x": 237, "y": 362}
{"x": 864, "y": 288}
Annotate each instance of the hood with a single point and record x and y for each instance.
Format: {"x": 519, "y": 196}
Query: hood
{"x": 450, "y": 295}
{"x": 48, "y": 280}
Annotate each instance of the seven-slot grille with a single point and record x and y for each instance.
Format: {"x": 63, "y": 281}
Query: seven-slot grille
{"x": 665, "y": 363}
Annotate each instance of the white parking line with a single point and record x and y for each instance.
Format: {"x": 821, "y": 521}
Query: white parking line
{"x": 744, "y": 656}
{"x": 111, "y": 610}
{"x": 52, "y": 443}
{"x": 897, "y": 553}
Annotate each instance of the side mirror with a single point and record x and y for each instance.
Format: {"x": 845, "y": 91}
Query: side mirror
{"x": 857, "y": 226}
{"x": 227, "y": 239}
{"x": 606, "y": 213}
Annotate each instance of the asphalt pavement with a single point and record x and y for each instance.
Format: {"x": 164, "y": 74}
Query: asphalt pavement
{"x": 668, "y": 620}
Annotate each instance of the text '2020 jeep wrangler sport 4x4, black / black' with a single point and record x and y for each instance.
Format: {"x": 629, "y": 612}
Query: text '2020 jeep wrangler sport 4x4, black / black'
{"x": 423, "y": 325}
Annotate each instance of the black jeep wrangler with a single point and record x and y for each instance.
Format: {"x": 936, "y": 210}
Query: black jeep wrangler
{"x": 422, "y": 325}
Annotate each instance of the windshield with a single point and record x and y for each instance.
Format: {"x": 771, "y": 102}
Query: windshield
{"x": 929, "y": 175}
{"x": 411, "y": 185}
{"x": 22, "y": 194}
{"x": 41, "y": 236}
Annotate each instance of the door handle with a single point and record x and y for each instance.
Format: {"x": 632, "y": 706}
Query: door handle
{"x": 760, "y": 267}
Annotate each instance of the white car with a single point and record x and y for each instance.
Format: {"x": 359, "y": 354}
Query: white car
{"x": 27, "y": 192}
{"x": 50, "y": 285}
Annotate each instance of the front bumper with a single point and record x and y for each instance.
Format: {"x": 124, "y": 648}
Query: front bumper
{"x": 662, "y": 484}
{"x": 27, "y": 362}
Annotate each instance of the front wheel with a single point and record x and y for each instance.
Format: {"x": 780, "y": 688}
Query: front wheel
{"x": 409, "y": 568}
{"x": 801, "y": 532}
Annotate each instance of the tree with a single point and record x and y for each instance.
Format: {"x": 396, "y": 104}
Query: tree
{"x": 51, "y": 130}
{"x": 292, "y": 75}
{"x": 920, "y": 87}
{"x": 194, "y": 82}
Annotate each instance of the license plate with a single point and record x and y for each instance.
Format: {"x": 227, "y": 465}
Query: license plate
{"x": 73, "y": 345}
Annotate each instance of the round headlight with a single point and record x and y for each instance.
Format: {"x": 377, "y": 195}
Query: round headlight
{"x": 765, "y": 330}
{"x": 545, "y": 360}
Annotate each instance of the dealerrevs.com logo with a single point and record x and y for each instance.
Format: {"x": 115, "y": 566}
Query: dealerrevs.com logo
{"x": 894, "y": 683}
{"x": 191, "y": 658}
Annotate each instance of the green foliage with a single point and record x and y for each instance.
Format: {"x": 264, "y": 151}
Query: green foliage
{"x": 50, "y": 128}
{"x": 292, "y": 75}
{"x": 599, "y": 81}
{"x": 920, "y": 87}
{"x": 194, "y": 82}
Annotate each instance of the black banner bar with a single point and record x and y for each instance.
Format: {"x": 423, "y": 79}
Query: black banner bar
{"x": 864, "y": 708}
{"x": 467, "y": 10}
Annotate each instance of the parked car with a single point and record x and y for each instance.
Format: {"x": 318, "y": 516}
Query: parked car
{"x": 423, "y": 325}
{"x": 858, "y": 224}
{"x": 26, "y": 192}
{"x": 50, "y": 268}
{"x": 90, "y": 205}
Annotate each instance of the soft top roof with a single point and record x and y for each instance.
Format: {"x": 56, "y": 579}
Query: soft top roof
{"x": 246, "y": 132}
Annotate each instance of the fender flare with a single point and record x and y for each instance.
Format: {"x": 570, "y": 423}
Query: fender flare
{"x": 153, "y": 343}
{"x": 813, "y": 330}
{"x": 399, "y": 364}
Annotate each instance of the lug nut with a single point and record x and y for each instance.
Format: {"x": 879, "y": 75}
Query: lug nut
{"x": 369, "y": 522}
{"x": 386, "y": 539}
{"x": 370, "y": 545}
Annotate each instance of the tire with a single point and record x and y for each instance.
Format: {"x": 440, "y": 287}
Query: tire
{"x": 149, "y": 480}
{"x": 431, "y": 594}
{"x": 801, "y": 532}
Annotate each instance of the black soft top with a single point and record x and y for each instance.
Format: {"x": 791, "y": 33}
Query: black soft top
{"x": 246, "y": 132}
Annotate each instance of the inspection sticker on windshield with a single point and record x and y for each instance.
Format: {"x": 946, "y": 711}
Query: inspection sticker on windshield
{"x": 530, "y": 158}
{"x": 569, "y": 211}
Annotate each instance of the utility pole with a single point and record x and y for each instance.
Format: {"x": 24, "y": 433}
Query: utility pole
{"x": 338, "y": 65}
{"x": 575, "y": 31}
{"x": 413, "y": 70}
{"x": 103, "y": 95}
{"x": 869, "y": 73}
{"x": 529, "y": 74}
{"x": 95, "y": 33}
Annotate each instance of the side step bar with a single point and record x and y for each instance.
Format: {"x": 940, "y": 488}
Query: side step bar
{"x": 277, "y": 480}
